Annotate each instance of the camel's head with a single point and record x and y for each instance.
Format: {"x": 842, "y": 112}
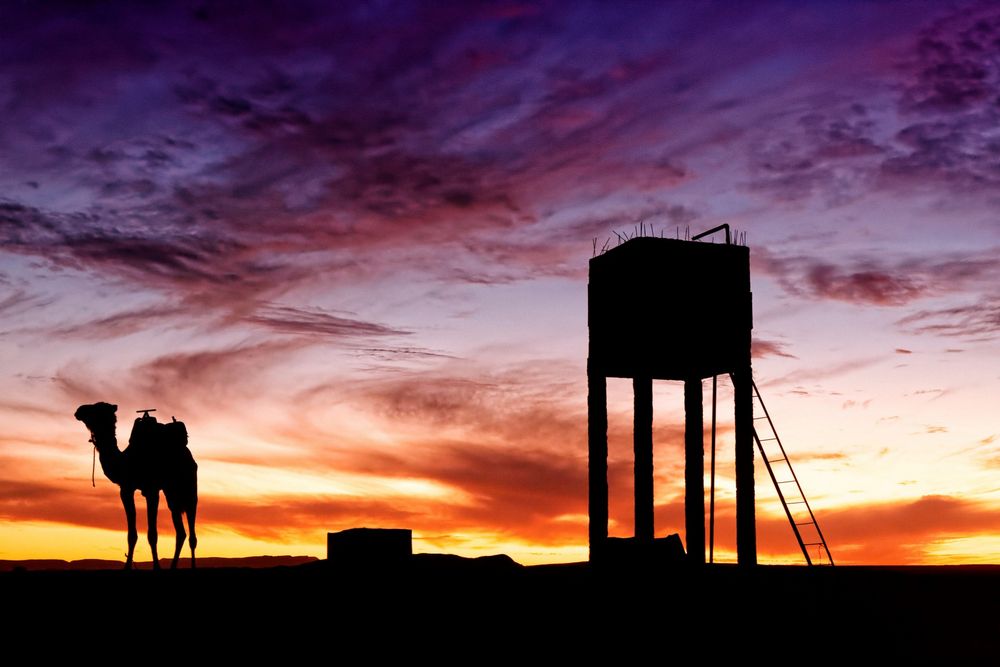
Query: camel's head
{"x": 99, "y": 418}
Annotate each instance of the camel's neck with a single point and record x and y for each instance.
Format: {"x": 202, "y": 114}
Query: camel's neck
{"x": 112, "y": 459}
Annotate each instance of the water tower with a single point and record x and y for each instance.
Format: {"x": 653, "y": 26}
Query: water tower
{"x": 666, "y": 309}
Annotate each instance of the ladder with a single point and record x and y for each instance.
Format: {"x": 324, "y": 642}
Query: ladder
{"x": 781, "y": 465}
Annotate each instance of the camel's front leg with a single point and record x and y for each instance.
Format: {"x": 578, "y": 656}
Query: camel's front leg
{"x": 152, "y": 505}
{"x": 128, "y": 500}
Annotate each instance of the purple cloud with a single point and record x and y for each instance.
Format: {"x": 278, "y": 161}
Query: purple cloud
{"x": 876, "y": 281}
{"x": 761, "y": 348}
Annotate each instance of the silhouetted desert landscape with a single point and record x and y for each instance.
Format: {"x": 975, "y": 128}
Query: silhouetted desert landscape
{"x": 922, "y": 613}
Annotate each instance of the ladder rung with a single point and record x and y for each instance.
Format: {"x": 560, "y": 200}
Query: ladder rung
{"x": 796, "y": 502}
{"x": 781, "y": 458}
{"x": 806, "y": 523}
{"x": 767, "y": 439}
{"x": 786, "y": 481}
{"x": 756, "y": 418}
{"x": 813, "y": 544}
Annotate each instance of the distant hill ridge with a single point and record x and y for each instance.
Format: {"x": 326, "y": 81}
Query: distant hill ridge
{"x": 98, "y": 564}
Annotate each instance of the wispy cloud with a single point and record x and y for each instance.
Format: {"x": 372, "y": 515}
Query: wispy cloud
{"x": 15, "y": 302}
{"x": 315, "y": 321}
{"x": 121, "y": 323}
{"x": 182, "y": 381}
{"x": 972, "y": 321}
{"x": 824, "y": 372}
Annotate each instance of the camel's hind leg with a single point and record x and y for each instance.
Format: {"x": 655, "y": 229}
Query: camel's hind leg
{"x": 178, "y": 518}
{"x": 152, "y": 507}
{"x": 193, "y": 540}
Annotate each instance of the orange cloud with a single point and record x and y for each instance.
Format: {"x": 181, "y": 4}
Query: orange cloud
{"x": 902, "y": 532}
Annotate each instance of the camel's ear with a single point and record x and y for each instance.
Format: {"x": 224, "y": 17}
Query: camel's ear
{"x": 114, "y": 408}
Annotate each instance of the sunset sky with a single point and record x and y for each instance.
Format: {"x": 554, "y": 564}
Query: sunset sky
{"x": 347, "y": 244}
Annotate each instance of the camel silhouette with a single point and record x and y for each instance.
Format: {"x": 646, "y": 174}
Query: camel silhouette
{"x": 157, "y": 458}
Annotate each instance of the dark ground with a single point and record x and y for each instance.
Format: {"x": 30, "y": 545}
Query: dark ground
{"x": 444, "y": 607}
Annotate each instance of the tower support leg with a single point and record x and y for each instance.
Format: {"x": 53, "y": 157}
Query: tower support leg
{"x": 597, "y": 446}
{"x": 694, "y": 471}
{"x": 642, "y": 438}
{"x": 746, "y": 527}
